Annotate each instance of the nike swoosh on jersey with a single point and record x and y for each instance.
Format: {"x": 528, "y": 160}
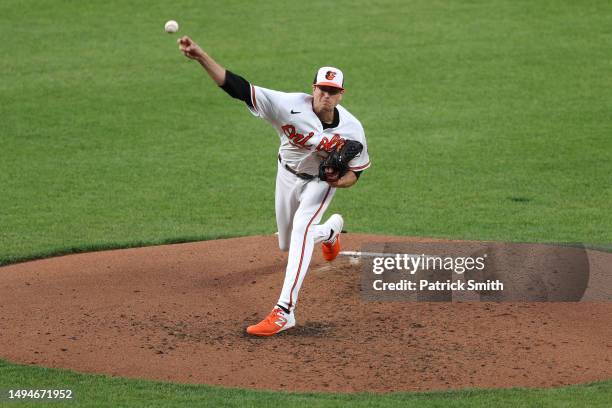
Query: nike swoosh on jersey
{"x": 293, "y": 113}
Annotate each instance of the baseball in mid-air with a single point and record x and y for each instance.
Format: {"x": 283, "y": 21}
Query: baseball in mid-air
{"x": 171, "y": 27}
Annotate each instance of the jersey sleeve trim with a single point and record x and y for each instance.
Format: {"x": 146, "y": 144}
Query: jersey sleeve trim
{"x": 359, "y": 168}
{"x": 253, "y": 97}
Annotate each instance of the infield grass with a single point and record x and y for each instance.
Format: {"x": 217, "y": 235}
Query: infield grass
{"x": 485, "y": 120}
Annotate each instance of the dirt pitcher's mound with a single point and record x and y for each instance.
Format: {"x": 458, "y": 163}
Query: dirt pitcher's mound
{"x": 178, "y": 313}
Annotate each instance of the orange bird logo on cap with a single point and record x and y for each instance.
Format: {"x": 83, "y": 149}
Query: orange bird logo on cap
{"x": 330, "y": 75}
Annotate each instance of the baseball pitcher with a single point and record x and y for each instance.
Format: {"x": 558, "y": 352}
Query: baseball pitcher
{"x": 322, "y": 148}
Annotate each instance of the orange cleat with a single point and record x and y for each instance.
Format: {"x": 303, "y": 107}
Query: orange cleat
{"x": 275, "y": 322}
{"x": 331, "y": 251}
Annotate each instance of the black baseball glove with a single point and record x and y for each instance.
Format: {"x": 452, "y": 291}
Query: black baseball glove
{"x": 336, "y": 164}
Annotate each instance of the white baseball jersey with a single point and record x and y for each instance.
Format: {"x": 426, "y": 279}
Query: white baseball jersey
{"x": 304, "y": 142}
{"x": 301, "y": 202}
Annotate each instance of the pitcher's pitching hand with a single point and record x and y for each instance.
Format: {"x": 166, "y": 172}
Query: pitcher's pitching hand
{"x": 189, "y": 48}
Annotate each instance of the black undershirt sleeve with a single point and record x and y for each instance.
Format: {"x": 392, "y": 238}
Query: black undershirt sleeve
{"x": 237, "y": 87}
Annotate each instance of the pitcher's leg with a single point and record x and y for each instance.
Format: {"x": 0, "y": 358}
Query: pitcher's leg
{"x": 326, "y": 231}
{"x": 287, "y": 200}
{"x": 315, "y": 199}
{"x": 285, "y": 204}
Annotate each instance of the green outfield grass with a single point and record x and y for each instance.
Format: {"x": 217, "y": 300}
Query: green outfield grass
{"x": 98, "y": 390}
{"x": 485, "y": 120}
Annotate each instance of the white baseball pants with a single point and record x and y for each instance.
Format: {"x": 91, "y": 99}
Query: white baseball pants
{"x": 300, "y": 205}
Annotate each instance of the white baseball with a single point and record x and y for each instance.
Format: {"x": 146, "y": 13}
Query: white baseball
{"x": 171, "y": 27}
